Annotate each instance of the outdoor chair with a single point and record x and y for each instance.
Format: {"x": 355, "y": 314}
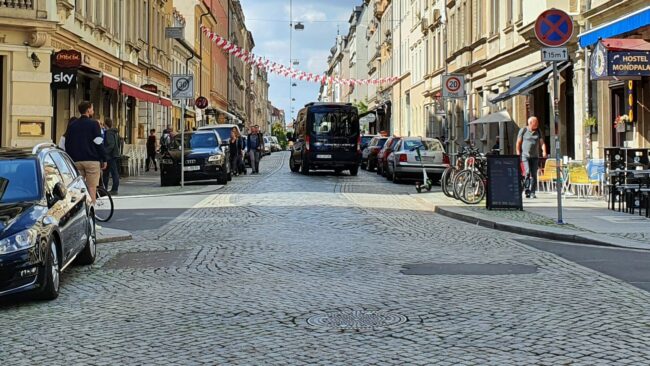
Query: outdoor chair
{"x": 547, "y": 177}
{"x": 579, "y": 180}
{"x": 596, "y": 172}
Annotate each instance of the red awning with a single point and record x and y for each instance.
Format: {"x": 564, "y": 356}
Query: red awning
{"x": 165, "y": 102}
{"x": 110, "y": 82}
{"x": 621, "y": 44}
{"x": 139, "y": 93}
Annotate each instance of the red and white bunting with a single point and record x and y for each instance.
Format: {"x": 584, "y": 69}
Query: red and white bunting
{"x": 282, "y": 70}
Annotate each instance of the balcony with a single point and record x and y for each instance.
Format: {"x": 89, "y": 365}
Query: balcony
{"x": 15, "y": 12}
{"x": 17, "y": 4}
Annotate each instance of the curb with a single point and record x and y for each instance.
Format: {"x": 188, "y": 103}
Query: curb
{"x": 540, "y": 231}
{"x": 197, "y": 191}
{"x": 112, "y": 236}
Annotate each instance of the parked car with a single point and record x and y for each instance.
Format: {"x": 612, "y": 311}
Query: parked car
{"x": 223, "y": 131}
{"x": 46, "y": 220}
{"x": 327, "y": 137}
{"x": 204, "y": 159}
{"x": 404, "y": 162}
{"x": 268, "y": 145}
{"x": 365, "y": 140}
{"x": 369, "y": 155}
{"x": 275, "y": 144}
{"x": 382, "y": 155}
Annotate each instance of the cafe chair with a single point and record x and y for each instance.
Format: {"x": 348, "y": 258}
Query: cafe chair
{"x": 579, "y": 180}
{"x": 547, "y": 178}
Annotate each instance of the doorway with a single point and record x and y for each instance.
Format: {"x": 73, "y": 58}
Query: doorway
{"x": 618, "y": 109}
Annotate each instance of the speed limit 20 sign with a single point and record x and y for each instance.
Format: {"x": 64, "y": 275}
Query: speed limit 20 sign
{"x": 453, "y": 86}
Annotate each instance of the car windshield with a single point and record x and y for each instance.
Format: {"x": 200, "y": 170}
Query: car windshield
{"x": 335, "y": 123}
{"x": 18, "y": 180}
{"x": 423, "y": 145}
{"x": 196, "y": 141}
{"x": 381, "y": 142}
{"x": 224, "y": 133}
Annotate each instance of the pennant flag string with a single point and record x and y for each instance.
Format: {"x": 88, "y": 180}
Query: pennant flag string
{"x": 282, "y": 70}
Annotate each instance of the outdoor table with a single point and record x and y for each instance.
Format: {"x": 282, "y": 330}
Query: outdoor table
{"x": 635, "y": 172}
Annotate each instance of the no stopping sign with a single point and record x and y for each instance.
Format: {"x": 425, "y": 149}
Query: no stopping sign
{"x": 453, "y": 86}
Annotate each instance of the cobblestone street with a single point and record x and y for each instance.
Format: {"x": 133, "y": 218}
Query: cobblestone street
{"x": 282, "y": 268}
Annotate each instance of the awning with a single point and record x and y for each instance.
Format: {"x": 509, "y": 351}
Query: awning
{"x": 166, "y": 102}
{"x": 528, "y": 84}
{"x": 110, "y": 82}
{"x": 624, "y": 44}
{"x": 502, "y": 116}
{"x": 628, "y": 23}
{"x": 139, "y": 93}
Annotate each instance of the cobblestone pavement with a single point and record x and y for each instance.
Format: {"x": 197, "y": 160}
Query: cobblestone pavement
{"x": 235, "y": 280}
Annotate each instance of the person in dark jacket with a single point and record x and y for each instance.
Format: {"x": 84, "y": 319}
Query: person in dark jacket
{"x": 236, "y": 144}
{"x": 255, "y": 145}
{"x": 112, "y": 146}
{"x": 151, "y": 150}
{"x": 85, "y": 145}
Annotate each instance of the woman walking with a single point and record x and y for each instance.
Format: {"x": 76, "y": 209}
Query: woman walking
{"x": 236, "y": 151}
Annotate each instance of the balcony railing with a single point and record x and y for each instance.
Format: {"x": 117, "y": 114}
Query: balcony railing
{"x": 17, "y": 4}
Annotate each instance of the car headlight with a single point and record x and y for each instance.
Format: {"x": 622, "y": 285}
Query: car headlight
{"x": 215, "y": 159}
{"x": 20, "y": 241}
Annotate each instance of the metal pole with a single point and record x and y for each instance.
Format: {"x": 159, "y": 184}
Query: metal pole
{"x": 556, "y": 96}
{"x": 291, "y": 59}
{"x": 183, "y": 144}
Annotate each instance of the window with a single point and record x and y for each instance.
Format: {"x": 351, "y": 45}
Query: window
{"x": 89, "y": 10}
{"x": 99, "y": 8}
{"x": 18, "y": 180}
{"x": 78, "y": 6}
{"x": 520, "y": 10}
{"x": 66, "y": 172}
{"x": 510, "y": 9}
{"x": 52, "y": 174}
{"x": 478, "y": 12}
{"x": 116, "y": 19}
{"x": 494, "y": 26}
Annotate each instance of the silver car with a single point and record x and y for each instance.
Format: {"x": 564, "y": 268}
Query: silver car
{"x": 404, "y": 161}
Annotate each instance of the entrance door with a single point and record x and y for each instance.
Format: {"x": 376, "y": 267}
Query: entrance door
{"x": 618, "y": 109}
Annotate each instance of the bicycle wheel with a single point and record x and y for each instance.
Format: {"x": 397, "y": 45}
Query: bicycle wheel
{"x": 458, "y": 181}
{"x": 446, "y": 181}
{"x": 103, "y": 205}
{"x": 473, "y": 190}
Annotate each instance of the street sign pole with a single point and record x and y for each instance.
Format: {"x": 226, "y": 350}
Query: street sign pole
{"x": 556, "y": 111}
{"x": 183, "y": 102}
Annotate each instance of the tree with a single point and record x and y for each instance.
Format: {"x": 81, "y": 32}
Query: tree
{"x": 361, "y": 106}
{"x": 277, "y": 130}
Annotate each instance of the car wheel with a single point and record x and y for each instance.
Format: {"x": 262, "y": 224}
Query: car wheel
{"x": 370, "y": 166}
{"x": 223, "y": 178}
{"x": 52, "y": 276}
{"x": 89, "y": 253}
{"x": 292, "y": 165}
{"x": 304, "y": 166}
{"x": 338, "y": 171}
{"x": 354, "y": 171}
{"x": 396, "y": 178}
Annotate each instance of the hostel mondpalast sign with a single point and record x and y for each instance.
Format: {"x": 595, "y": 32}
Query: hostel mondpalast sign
{"x": 607, "y": 64}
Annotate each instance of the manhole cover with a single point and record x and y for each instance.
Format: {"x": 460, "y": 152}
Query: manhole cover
{"x": 357, "y": 320}
{"x": 148, "y": 259}
{"x": 468, "y": 269}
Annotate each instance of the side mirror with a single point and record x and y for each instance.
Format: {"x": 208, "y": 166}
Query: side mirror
{"x": 59, "y": 192}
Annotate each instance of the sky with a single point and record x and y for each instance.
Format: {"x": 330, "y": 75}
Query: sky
{"x": 268, "y": 20}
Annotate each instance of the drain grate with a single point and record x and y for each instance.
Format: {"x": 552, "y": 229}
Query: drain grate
{"x": 148, "y": 259}
{"x": 357, "y": 320}
{"x": 467, "y": 269}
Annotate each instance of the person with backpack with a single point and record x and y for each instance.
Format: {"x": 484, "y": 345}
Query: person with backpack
{"x": 529, "y": 141}
{"x": 112, "y": 146}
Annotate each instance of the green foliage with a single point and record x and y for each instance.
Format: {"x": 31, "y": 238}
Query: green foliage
{"x": 361, "y": 106}
{"x": 277, "y": 130}
{"x": 590, "y": 121}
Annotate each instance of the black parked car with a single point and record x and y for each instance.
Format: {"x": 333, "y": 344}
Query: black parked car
{"x": 46, "y": 220}
{"x": 204, "y": 159}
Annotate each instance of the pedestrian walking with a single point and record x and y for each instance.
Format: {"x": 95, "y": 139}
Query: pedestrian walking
{"x": 151, "y": 150}
{"x": 62, "y": 140}
{"x": 165, "y": 139}
{"x": 255, "y": 145}
{"x": 236, "y": 144}
{"x": 112, "y": 146}
{"x": 529, "y": 141}
{"x": 85, "y": 145}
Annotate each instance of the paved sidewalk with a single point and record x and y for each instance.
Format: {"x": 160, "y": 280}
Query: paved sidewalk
{"x": 148, "y": 184}
{"x": 586, "y": 220}
{"x": 108, "y": 235}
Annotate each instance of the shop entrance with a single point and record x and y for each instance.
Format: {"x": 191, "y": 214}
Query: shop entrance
{"x": 618, "y": 109}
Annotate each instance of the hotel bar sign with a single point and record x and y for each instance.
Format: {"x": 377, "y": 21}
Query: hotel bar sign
{"x": 606, "y": 65}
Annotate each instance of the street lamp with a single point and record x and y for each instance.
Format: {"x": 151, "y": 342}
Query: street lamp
{"x": 299, "y": 26}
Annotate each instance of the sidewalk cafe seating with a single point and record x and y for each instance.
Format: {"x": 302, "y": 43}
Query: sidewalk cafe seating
{"x": 547, "y": 177}
{"x": 580, "y": 180}
{"x": 628, "y": 179}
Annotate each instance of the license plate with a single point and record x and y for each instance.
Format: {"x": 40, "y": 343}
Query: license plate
{"x": 191, "y": 168}
{"x": 321, "y": 156}
{"x": 189, "y": 162}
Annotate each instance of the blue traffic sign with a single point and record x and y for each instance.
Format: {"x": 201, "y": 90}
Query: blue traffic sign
{"x": 554, "y": 28}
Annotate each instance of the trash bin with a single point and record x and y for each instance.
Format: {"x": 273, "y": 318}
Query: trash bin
{"x": 124, "y": 166}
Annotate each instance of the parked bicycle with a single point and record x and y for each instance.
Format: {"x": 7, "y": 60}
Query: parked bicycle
{"x": 103, "y": 203}
{"x": 470, "y": 184}
{"x": 448, "y": 176}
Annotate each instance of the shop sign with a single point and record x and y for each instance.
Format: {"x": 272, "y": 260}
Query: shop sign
{"x": 67, "y": 59}
{"x": 608, "y": 64}
{"x": 150, "y": 88}
{"x": 64, "y": 78}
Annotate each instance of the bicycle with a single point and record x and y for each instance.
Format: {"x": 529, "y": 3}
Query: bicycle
{"x": 103, "y": 203}
{"x": 470, "y": 183}
{"x": 448, "y": 176}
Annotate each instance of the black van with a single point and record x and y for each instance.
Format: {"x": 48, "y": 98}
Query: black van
{"x": 327, "y": 136}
